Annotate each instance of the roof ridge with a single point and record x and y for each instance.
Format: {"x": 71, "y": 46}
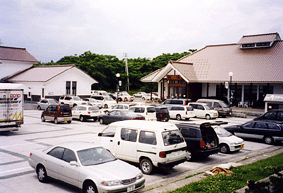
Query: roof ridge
{"x": 12, "y": 47}
{"x": 274, "y": 33}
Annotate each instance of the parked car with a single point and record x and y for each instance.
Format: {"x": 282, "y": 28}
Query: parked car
{"x": 269, "y": 131}
{"x": 220, "y": 106}
{"x": 147, "y": 111}
{"x": 202, "y": 110}
{"x": 57, "y": 113}
{"x": 84, "y": 112}
{"x": 119, "y": 115}
{"x": 151, "y": 144}
{"x": 162, "y": 113}
{"x": 227, "y": 141}
{"x": 124, "y": 96}
{"x": 86, "y": 166}
{"x": 93, "y": 102}
{"x": 181, "y": 112}
{"x": 99, "y": 92}
{"x": 71, "y": 100}
{"x": 44, "y": 103}
{"x": 271, "y": 115}
{"x": 107, "y": 101}
{"x": 171, "y": 102}
{"x": 201, "y": 140}
{"x": 140, "y": 94}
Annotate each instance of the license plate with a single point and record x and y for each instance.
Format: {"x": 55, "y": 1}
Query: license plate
{"x": 242, "y": 146}
{"x": 65, "y": 119}
{"x": 131, "y": 188}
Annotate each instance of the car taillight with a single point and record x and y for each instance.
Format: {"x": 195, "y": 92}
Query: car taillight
{"x": 186, "y": 112}
{"x": 160, "y": 115}
{"x": 88, "y": 112}
{"x": 58, "y": 108}
{"x": 162, "y": 154}
{"x": 202, "y": 144}
{"x": 30, "y": 154}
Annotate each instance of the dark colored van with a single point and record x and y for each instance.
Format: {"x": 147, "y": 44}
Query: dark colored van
{"x": 201, "y": 140}
{"x": 162, "y": 113}
{"x": 57, "y": 113}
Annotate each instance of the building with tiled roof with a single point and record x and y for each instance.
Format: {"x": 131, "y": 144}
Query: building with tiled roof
{"x": 255, "y": 63}
{"x": 14, "y": 60}
{"x": 54, "y": 81}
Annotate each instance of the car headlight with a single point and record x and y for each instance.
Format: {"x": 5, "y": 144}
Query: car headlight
{"x": 111, "y": 183}
{"x": 233, "y": 144}
{"x": 139, "y": 176}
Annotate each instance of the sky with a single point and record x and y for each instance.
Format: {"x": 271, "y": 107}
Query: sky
{"x": 52, "y": 29}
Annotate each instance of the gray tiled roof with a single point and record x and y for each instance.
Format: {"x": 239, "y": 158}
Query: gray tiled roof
{"x": 16, "y": 54}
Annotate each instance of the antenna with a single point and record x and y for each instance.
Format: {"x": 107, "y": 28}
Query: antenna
{"x": 127, "y": 71}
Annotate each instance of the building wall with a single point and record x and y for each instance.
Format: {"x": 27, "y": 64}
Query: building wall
{"x": 211, "y": 90}
{"x": 9, "y": 67}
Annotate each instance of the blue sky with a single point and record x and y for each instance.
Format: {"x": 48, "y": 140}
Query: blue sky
{"x": 52, "y": 29}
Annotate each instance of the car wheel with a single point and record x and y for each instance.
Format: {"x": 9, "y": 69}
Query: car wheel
{"x": 268, "y": 139}
{"x": 41, "y": 174}
{"x": 143, "y": 98}
{"x": 146, "y": 166}
{"x": 69, "y": 122}
{"x": 82, "y": 118}
{"x": 106, "y": 106}
{"x": 38, "y": 107}
{"x": 101, "y": 121}
{"x": 224, "y": 148}
{"x": 178, "y": 117}
{"x": 56, "y": 121}
{"x": 187, "y": 119}
{"x": 90, "y": 187}
{"x": 207, "y": 116}
{"x": 94, "y": 119}
{"x": 42, "y": 119}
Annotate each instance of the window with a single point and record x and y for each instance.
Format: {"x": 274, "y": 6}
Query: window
{"x": 216, "y": 104}
{"x": 260, "y": 125}
{"x": 249, "y": 124}
{"x": 172, "y": 137}
{"x": 74, "y": 88}
{"x": 200, "y": 107}
{"x": 280, "y": 116}
{"x": 68, "y": 98}
{"x": 109, "y": 132}
{"x": 273, "y": 126}
{"x": 42, "y": 94}
{"x": 69, "y": 156}
{"x": 270, "y": 115}
{"x": 150, "y": 109}
{"x": 68, "y": 87}
{"x": 57, "y": 152}
{"x": 189, "y": 108}
{"x": 129, "y": 134}
{"x": 147, "y": 137}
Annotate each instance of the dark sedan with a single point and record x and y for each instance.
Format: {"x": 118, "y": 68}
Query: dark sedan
{"x": 119, "y": 115}
{"x": 269, "y": 131}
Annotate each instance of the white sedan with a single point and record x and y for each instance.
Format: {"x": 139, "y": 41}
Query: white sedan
{"x": 227, "y": 141}
{"x": 87, "y": 166}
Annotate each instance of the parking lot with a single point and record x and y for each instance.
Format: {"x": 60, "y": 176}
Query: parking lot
{"x": 17, "y": 176}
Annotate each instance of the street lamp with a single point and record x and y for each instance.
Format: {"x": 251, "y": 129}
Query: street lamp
{"x": 118, "y": 76}
{"x": 230, "y": 84}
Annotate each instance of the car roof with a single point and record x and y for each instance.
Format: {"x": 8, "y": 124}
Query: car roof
{"x": 77, "y": 145}
{"x": 145, "y": 125}
{"x": 209, "y": 100}
{"x": 198, "y": 103}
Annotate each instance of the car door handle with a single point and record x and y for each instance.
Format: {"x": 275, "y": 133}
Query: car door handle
{"x": 111, "y": 140}
{"x": 118, "y": 142}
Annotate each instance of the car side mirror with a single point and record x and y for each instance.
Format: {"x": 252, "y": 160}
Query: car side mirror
{"x": 73, "y": 163}
{"x": 100, "y": 134}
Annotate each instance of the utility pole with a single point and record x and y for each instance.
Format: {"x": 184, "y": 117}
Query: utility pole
{"x": 127, "y": 71}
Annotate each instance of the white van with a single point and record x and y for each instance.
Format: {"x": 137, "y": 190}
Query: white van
{"x": 181, "y": 112}
{"x": 202, "y": 110}
{"x": 151, "y": 144}
{"x": 147, "y": 111}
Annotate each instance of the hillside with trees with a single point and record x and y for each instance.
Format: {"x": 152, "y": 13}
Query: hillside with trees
{"x": 103, "y": 68}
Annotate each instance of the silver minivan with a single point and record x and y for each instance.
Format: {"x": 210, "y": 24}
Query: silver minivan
{"x": 220, "y": 106}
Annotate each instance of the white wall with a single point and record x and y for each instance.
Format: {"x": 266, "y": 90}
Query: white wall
{"x": 8, "y": 67}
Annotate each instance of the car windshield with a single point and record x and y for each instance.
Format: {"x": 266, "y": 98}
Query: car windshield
{"x": 172, "y": 137}
{"x": 76, "y": 98}
{"x": 128, "y": 113}
{"x": 53, "y": 102}
{"x": 206, "y": 107}
{"x": 107, "y": 98}
{"x": 93, "y": 108}
{"x": 222, "y": 132}
{"x": 223, "y": 104}
{"x": 94, "y": 156}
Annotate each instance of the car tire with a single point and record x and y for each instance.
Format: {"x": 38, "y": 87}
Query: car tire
{"x": 207, "y": 116}
{"x": 69, "y": 122}
{"x": 82, "y": 119}
{"x": 89, "y": 187}
{"x": 268, "y": 140}
{"x": 38, "y": 107}
{"x": 101, "y": 121}
{"x": 41, "y": 174}
{"x": 106, "y": 106}
{"x": 95, "y": 119}
{"x": 146, "y": 166}
{"x": 224, "y": 148}
{"x": 178, "y": 117}
{"x": 143, "y": 98}
{"x": 187, "y": 119}
{"x": 56, "y": 121}
{"x": 42, "y": 119}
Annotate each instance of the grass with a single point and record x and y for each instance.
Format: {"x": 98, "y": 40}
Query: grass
{"x": 222, "y": 183}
